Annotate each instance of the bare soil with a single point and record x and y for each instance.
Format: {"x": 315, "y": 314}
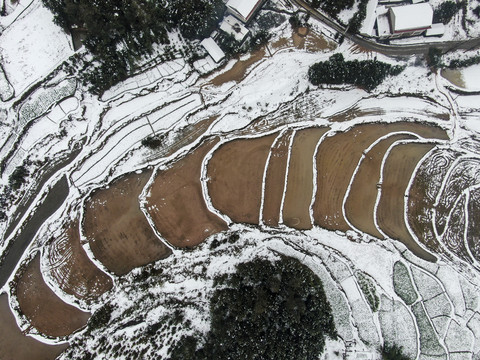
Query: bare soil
{"x": 176, "y": 203}
{"x": 473, "y": 234}
{"x": 398, "y": 170}
{"x": 72, "y": 269}
{"x": 360, "y": 203}
{"x": 337, "y": 159}
{"x": 238, "y": 72}
{"x": 423, "y": 193}
{"x": 298, "y": 196}
{"x": 119, "y": 235}
{"x": 274, "y": 180}
{"x": 15, "y": 345}
{"x": 45, "y": 311}
{"x": 235, "y": 174}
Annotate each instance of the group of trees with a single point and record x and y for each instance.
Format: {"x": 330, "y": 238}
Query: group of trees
{"x": 446, "y": 11}
{"x": 118, "y": 33}
{"x": 367, "y": 74}
{"x": 265, "y": 311}
{"x": 331, "y": 7}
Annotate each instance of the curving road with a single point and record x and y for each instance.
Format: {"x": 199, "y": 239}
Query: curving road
{"x": 390, "y": 50}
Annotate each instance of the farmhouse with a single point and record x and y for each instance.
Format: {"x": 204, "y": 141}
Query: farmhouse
{"x": 244, "y": 9}
{"x": 234, "y": 27}
{"x": 213, "y": 49}
{"x": 410, "y": 19}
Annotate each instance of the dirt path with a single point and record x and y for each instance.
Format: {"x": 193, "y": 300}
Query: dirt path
{"x": 423, "y": 193}
{"x": 119, "y": 235}
{"x": 360, "y": 203}
{"x": 15, "y": 345}
{"x": 398, "y": 170}
{"x": 43, "y": 308}
{"x": 298, "y": 197}
{"x": 235, "y": 174}
{"x": 69, "y": 265}
{"x": 337, "y": 159}
{"x": 176, "y": 204}
{"x": 238, "y": 71}
{"x": 274, "y": 186}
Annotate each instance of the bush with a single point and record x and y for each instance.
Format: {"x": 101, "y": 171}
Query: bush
{"x": 17, "y": 178}
{"x": 393, "y": 352}
{"x": 446, "y": 11}
{"x": 153, "y": 142}
{"x": 331, "y": 7}
{"x": 476, "y": 11}
{"x": 367, "y": 74}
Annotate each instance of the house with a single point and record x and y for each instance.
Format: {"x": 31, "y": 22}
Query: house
{"x": 410, "y": 20}
{"x": 436, "y": 30}
{"x": 213, "y": 49}
{"x": 231, "y": 25}
{"x": 244, "y": 9}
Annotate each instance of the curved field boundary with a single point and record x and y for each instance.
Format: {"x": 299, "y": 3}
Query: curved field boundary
{"x": 397, "y": 169}
{"x": 176, "y": 205}
{"x": 273, "y": 189}
{"x": 361, "y": 195}
{"x": 45, "y": 311}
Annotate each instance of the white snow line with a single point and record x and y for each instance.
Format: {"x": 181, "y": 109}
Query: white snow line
{"x": 262, "y": 201}
{"x": 285, "y": 186}
{"x": 360, "y": 161}
{"x": 315, "y": 176}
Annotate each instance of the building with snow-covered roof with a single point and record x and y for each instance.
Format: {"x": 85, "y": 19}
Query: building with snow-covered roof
{"x": 436, "y": 30}
{"x": 411, "y": 19}
{"x": 213, "y": 49}
{"x": 232, "y": 26}
{"x": 244, "y": 9}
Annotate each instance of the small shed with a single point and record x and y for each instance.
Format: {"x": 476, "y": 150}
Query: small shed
{"x": 213, "y": 49}
{"x": 234, "y": 27}
{"x": 244, "y": 9}
{"x": 414, "y": 18}
{"x": 436, "y": 30}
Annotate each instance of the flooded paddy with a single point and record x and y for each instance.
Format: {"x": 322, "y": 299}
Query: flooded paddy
{"x": 397, "y": 172}
{"x": 45, "y": 311}
{"x": 337, "y": 158}
{"x": 299, "y": 192}
{"x": 176, "y": 204}
{"x": 16, "y": 345}
{"x": 274, "y": 187}
{"x": 73, "y": 271}
{"x": 360, "y": 202}
{"x": 235, "y": 177}
{"x": 118, "y": 233}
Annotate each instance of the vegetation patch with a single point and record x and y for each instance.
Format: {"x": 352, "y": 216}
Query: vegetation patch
{"x": 446, "y": 11}
{"x": 403, "y": 284}
{"x": 369, "y": 290}
{"x": 367, "y": 74}
{"x": 331, "y": 7}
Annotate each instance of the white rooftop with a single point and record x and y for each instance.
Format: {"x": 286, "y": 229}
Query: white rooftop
{"x": 243, "y": 7}
{"x": 213, "y": 49}
{"x": 370, "y": 17}
{"x": 234, "y": 27}
{"x": 436, "y": 30}
{"x": 410, "y": 17}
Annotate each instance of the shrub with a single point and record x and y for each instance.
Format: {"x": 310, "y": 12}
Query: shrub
{"x": 153, "y": 142}
{"x": 393, "y": 352}
{"x": 367, "y": 74}
{"x": 17, "y": 178}
{"x": 446, "y": 11}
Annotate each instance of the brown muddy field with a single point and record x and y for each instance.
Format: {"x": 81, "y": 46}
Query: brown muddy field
{"x": 235, "y": 177}
{"x": 337, "y": 159}
{"x": 474, "y": 224}
{"x": 274, "y": 186}
{"x": 298, "y": 196}
{"x": 15, "y": 345}
{"x": 45, "y": 311}
{"x": 360, "y": 202}
{"x": 423, "y": 193}
{"x": 455, "y": 232}
{"x": 72, "y": 269}
{"x": 238, "y": 72}
{"x": 176, "y": 203}
{"x": 119, "y": 235}
{"x": 398, "y": 170}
